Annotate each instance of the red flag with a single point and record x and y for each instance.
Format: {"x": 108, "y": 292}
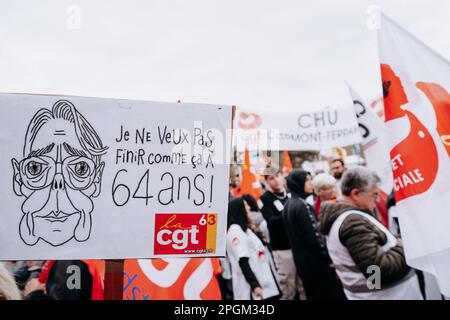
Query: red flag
{"x": 172, "y": 279}
{"x": 287, "y": 164}
{"x": 250, "y": 184}
{"x": 382, "y": 208}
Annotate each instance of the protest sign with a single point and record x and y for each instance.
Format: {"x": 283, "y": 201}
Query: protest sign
{"x": 91, "y": 178}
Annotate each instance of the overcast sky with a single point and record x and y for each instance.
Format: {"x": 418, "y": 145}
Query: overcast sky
{"x": 253, "y": 53}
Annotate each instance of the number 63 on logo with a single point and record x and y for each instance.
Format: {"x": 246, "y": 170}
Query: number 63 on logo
{"x": 185, "y": 233}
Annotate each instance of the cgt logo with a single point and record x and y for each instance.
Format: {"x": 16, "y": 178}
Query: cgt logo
{"x": 185, "y": 233}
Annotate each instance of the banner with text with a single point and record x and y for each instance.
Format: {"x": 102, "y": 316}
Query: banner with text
{"x": 295, "y": 130}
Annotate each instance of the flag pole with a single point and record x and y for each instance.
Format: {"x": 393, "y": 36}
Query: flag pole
{"x": 114, "y": 272}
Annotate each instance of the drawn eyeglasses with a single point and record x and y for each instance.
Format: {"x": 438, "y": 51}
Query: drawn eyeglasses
{"x": 39, "y": 172}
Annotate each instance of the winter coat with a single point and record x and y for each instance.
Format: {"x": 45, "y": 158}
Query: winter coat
{"x": 359, "y": 244}
{"x": 274, "y": 218}
{"x": 308, "y": 247}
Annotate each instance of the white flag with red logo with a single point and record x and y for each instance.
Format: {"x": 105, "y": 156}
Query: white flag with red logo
{"x": 416, "y": 86}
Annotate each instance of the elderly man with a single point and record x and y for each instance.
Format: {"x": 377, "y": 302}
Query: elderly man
{"x": 59, "y": 174}
{"x": 369, "y": 260}
{"x": 325, "y": 189}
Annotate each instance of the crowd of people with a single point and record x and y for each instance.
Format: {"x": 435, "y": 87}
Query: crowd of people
{"x": 306, "y": 238}
{"x": 325, "y": 240}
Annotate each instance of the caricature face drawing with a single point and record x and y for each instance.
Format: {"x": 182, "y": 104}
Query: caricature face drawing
{"x": 58, "y": 177}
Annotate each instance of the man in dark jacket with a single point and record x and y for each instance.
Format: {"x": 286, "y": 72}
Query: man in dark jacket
{"x": 309, "y": 250}
{"x": 273, "y": 201}
{"x": 362, "y": 247}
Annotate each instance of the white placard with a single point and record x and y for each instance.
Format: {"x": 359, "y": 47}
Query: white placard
{"x": 90, "y": 178}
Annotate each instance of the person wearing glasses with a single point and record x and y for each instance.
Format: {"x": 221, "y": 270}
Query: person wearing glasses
{"x": 368, "y": 258}
{"x": 58, "y": 176}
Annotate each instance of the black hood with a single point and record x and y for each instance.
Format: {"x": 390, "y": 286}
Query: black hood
{"x": 296, "y": 183}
